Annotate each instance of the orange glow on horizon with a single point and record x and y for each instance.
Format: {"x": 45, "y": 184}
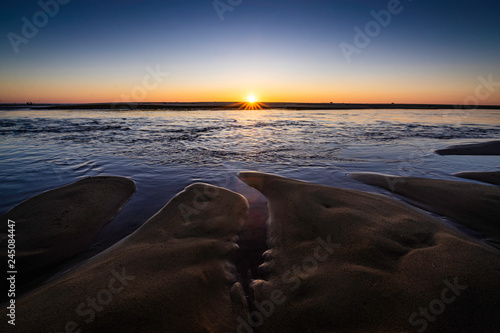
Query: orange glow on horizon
{"x": 41, "y": 91}
{"x": 250, "y": 106}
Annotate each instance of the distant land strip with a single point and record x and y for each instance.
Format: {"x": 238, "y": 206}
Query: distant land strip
{"x": 240, "y": 105}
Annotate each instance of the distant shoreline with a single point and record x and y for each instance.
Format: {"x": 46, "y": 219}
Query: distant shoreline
{"x": 243, "y": 106}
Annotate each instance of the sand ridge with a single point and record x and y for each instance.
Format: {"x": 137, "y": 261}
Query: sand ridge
{"x": 475, "y": 206}
{"x": 383, "y": 261}
{"x": 338, "y": 261}
{"x": 57, "y": 224}
{"x": 491, "y": 177}
{"x": 483, "y": 148}
{"x": 171, "y": 275}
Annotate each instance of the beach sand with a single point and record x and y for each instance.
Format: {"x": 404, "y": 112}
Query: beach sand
{"x": 491, "y": 177}
{"x": 348, "y": 261}
{"x": 484, "y": 148}
{"x": 171, "y": 275}
{"x": 339, "y": 261}
{"x": 58, "y": 224}
{"x": 475, "y": 206}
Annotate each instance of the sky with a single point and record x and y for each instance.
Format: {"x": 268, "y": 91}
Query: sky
{"x": 352, "y": 51}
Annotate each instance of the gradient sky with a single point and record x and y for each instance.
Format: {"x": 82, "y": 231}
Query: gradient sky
{"x": 290, "y": 50}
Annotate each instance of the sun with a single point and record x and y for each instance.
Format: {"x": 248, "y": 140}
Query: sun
{"x": 251, "y": 103}
{"x": 251, "y": 99}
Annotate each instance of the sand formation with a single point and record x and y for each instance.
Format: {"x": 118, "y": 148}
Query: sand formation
{"x": 492, "y": 177}
{"x": 58, "y": 224}
{"x": 171, "y": 275}
{"x": 339, "y": 261}
{"x": 475, "y": 206}
{"x": 483, "y": 148}
{"x": 349, "y": 261}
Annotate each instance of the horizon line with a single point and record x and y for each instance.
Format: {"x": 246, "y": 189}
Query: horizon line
{"x": 258, "y": 105}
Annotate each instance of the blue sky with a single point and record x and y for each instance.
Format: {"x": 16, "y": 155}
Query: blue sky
{"x": 97, "y": 51}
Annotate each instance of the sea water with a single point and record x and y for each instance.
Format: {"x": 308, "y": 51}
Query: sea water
{"x": 164, "y": 151}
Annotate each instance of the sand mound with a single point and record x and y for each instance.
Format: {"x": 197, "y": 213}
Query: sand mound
{"x": 57, "y": 224}
{"x": 492, "y": 177}
{"x": 348, "y": 261}
{"x": 475, "y": 206}
{"x": 485, "y": 148}
{"x": 171, "y": 275}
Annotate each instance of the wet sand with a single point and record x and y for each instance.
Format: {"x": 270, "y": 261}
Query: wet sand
{"x": 171, "y": 275}
{"x": 475, "y": 206}
{"x": 58, "y": 224}
{"x": 339, "y": 260}
{"x": 492, "y": 177}
{"x": 348, "y": 261}
{"x": 484, "y": 148}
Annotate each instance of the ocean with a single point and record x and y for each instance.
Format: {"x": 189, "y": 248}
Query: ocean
{"x": 164, "y": 151}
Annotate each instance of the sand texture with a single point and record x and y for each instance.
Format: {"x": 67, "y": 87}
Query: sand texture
{"x": 475, "y": 206}
{"x": 171, "y": 275}
{"x": 348, "y": 261}
{"x": 338, "y": 261}
{"x": 55, "y": 225}
{"x": 485, "y": 148}
{"x": 491, "y": 177}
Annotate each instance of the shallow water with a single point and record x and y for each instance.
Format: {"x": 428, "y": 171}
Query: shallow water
{"x": 164, "y": 151}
